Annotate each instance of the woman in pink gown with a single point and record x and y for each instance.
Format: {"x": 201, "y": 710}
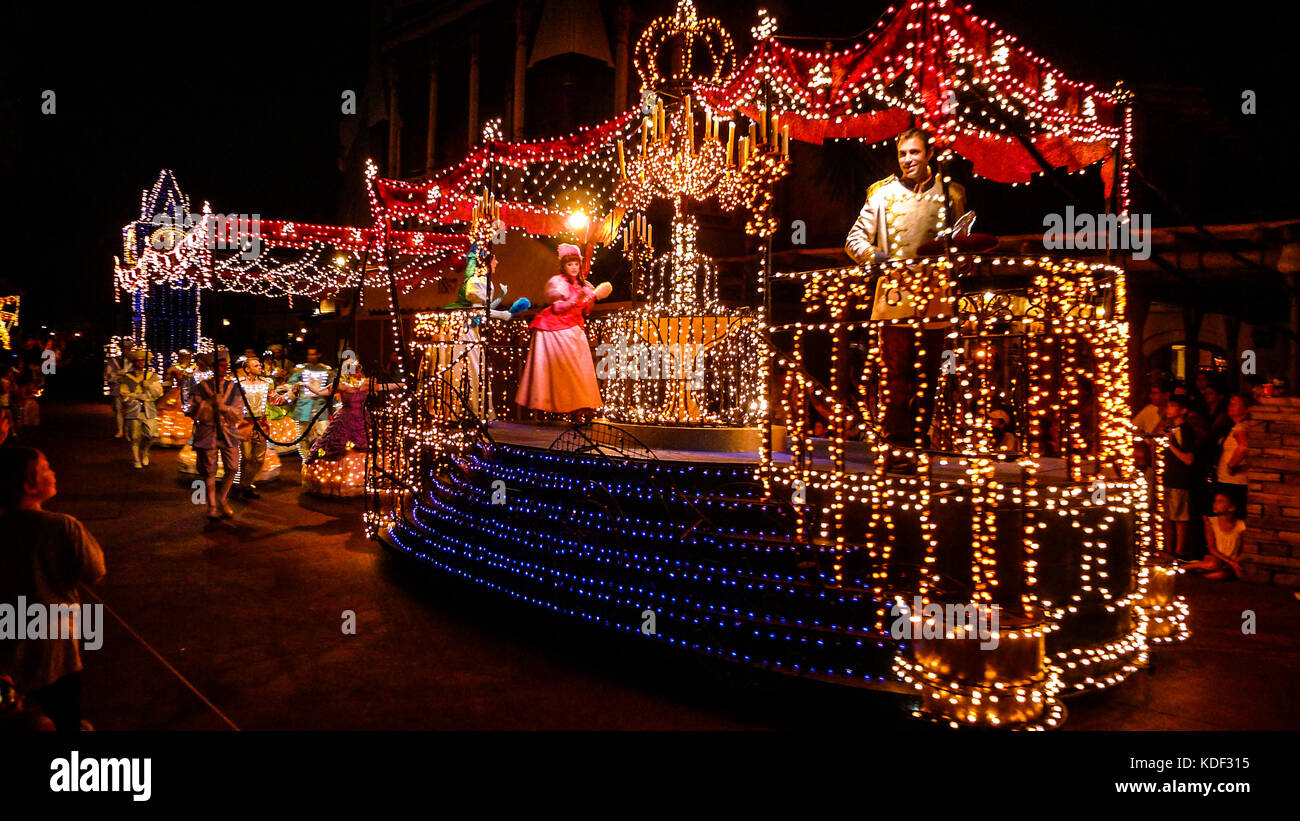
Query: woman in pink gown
{"x": 560, "y": 376}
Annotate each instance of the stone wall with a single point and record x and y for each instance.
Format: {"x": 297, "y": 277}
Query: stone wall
{"x": 1272, "y": 549}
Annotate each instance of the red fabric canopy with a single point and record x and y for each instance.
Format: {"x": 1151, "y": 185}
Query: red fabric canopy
{"x": 449, "y": 195}
{"x": 914, "y": 67}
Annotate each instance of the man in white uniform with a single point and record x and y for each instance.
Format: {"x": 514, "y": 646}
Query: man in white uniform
{"x": 902, "y": 213}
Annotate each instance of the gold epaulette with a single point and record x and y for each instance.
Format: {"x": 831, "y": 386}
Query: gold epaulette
{"x": 877, "y": 185}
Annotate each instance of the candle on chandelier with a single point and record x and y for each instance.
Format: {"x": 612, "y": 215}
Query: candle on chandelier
{"x": 762, "y": 123}
{"x": 786, "y": 136}
{"x": 622, "y": 169}
{"x": 690, "y": 127}
{"x": 731, "y": 141}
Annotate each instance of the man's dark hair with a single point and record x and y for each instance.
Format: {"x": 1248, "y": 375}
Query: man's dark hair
{"x": 914, "y": 132}
{"x": 1181, "y": 401}
{"x": 17, "y": 468}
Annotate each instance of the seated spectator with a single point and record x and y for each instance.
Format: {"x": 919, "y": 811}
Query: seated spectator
{"x": 43, "y": 557}
{"x": 1224, "y": 531}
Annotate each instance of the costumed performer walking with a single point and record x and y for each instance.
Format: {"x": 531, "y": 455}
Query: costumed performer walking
{"x": 140, "y": 388}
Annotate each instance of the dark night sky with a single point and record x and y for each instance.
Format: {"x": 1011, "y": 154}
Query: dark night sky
{"x": 245, "y": 108}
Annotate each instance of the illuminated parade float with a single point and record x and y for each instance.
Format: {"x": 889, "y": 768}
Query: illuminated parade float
{"x": 741, "y": 493}
{"x": 915, "y": 474}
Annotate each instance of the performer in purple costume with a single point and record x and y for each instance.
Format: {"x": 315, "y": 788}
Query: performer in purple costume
{"x": 347, "y": 430}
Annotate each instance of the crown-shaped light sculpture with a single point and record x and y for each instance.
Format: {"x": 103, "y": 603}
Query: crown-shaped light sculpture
{"x": 677, "y": 39}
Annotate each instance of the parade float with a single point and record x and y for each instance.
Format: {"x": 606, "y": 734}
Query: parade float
{"x": 172, "y": 253}
{"x": 8, "y": 318}
{"x": 749, "y": 507}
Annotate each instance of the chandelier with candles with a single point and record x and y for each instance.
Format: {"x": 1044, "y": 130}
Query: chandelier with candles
{"x": 677, "y": 161}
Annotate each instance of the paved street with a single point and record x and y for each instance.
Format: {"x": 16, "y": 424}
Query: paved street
{"x": 249, "y": 612}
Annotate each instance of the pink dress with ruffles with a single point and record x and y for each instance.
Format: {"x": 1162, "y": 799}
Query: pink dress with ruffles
{"x": 560, "y": 376}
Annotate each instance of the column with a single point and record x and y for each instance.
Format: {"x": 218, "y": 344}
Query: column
{"x": 394, "y": 126}
{"x": 1192, "y": 316}
{"x": 473, "y": 84}
{"x": 521, "y": 69}
{"x": 622, "y": 15}
{"x": 431, "y": 127}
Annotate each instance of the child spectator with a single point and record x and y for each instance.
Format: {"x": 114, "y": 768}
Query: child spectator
{"x": 43, "y": 556}
{"x": 1223, "y": 540}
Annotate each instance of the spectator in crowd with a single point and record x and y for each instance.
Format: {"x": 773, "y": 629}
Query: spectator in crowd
{"x": 1178, "y": 472}
{"x": 31, "y": 384}
{"x": 1200, "y": 381}
{"x": 1255, "y": 386}
{"x": 217, "y": 407}
{"x": 1216, "y": 411}
{"x": 1151, "y": 422}
{"x": 1224, "y": 535}
{"x": 8, "y": 388}
{"x": 1194, "y": 417}
{"x": 1152, "y": 417}
{"x": 1209, "y": 445}
{"x": 1230, "y": 470}
{"x": 7, "y": 439}
{"x": 43, "y": 557}
{"x": 19, "y": 715}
